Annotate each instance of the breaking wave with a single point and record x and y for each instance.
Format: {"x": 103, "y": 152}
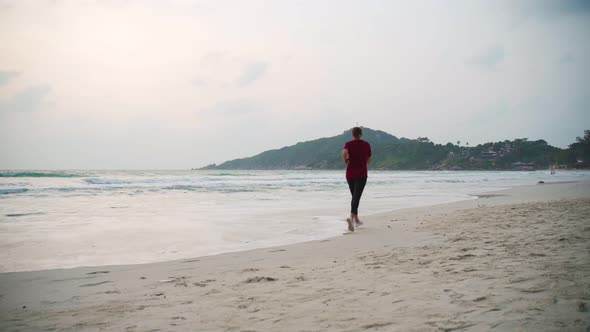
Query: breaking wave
{"x": 37, "y": 175}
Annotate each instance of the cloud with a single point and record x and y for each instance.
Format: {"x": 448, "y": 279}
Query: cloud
{"x": 236, "y": 107}
{"x": 567, "y": 58}
{"x": 552, "y": 8}
{"x": 5, "y": 6}
{"x": 251, "y": 72}
{"x": 199, "y": 82}
{"x": 28, "y": 100}
{"x": 6, "y": 76}
{"x": 213, "y": 58}
{"x": 489, "y": 58}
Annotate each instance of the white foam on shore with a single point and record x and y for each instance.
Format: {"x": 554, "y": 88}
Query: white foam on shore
{"x": 106, "y": 218}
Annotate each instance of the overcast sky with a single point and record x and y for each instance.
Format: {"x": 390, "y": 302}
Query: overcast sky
{"x": 178, "y": 84}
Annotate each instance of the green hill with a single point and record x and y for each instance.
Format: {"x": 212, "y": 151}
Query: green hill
{"x": 323, "y": 153}
{"x": 392, "y": 153}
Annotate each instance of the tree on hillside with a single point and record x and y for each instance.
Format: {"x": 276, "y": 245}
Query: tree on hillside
{"x": 581, "y": 149}
{"x": 585, "y": 139}
{"x": 390, "y": 152}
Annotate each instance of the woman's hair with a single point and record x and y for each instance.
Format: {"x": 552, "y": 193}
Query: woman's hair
{"x": 357, "y": 132}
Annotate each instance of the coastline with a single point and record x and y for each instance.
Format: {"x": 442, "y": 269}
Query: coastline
{"x": 384, "y": 276}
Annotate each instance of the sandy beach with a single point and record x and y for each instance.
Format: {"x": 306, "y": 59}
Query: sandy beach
{"x": 511, "y": 260}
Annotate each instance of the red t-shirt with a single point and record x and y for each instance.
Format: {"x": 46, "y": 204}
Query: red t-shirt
{"x": 359, "y": 152}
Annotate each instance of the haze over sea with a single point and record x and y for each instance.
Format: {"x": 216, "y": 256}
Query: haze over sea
{"x": 63, "y": 219}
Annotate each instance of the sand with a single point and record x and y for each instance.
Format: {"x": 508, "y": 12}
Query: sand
{"x": 512, "y": 260}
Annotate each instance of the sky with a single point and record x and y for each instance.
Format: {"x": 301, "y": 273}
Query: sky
{"x": 143, "y": 84}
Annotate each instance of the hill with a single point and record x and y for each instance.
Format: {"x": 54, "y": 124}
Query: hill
{"x": 323, "y": 153}
{"x": 392, "y": 153}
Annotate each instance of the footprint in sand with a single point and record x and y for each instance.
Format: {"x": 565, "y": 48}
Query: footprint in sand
{"x": 376, "y": 325}
{"x": 98, "y": 272}
{"x": 203, "y": 283}
{"x": 178, "y": 281}
{"x": 191, "y": 261}
{"x": 461, "y": 257}
{"x": 213, "y": 292}
{"x": 95, "y": 284}
{"x": 259, "y": 279}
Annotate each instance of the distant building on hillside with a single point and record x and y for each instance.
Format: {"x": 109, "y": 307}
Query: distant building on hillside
{"x": 488, "y": 155}
{"x": 521, "y": 166}
{"x": 581, "y": 164}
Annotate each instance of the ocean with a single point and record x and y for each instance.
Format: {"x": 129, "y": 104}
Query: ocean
{"x": 64, "y": 219}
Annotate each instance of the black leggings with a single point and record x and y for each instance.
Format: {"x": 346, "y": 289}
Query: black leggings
{"x": 356, "y": 186}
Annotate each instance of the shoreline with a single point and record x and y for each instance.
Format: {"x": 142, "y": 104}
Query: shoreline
{"x": 467, "y": 197}
{"x": 460, "y": 204}
{"x": 285, "y": 287}
{"x": 103, "y": 220}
